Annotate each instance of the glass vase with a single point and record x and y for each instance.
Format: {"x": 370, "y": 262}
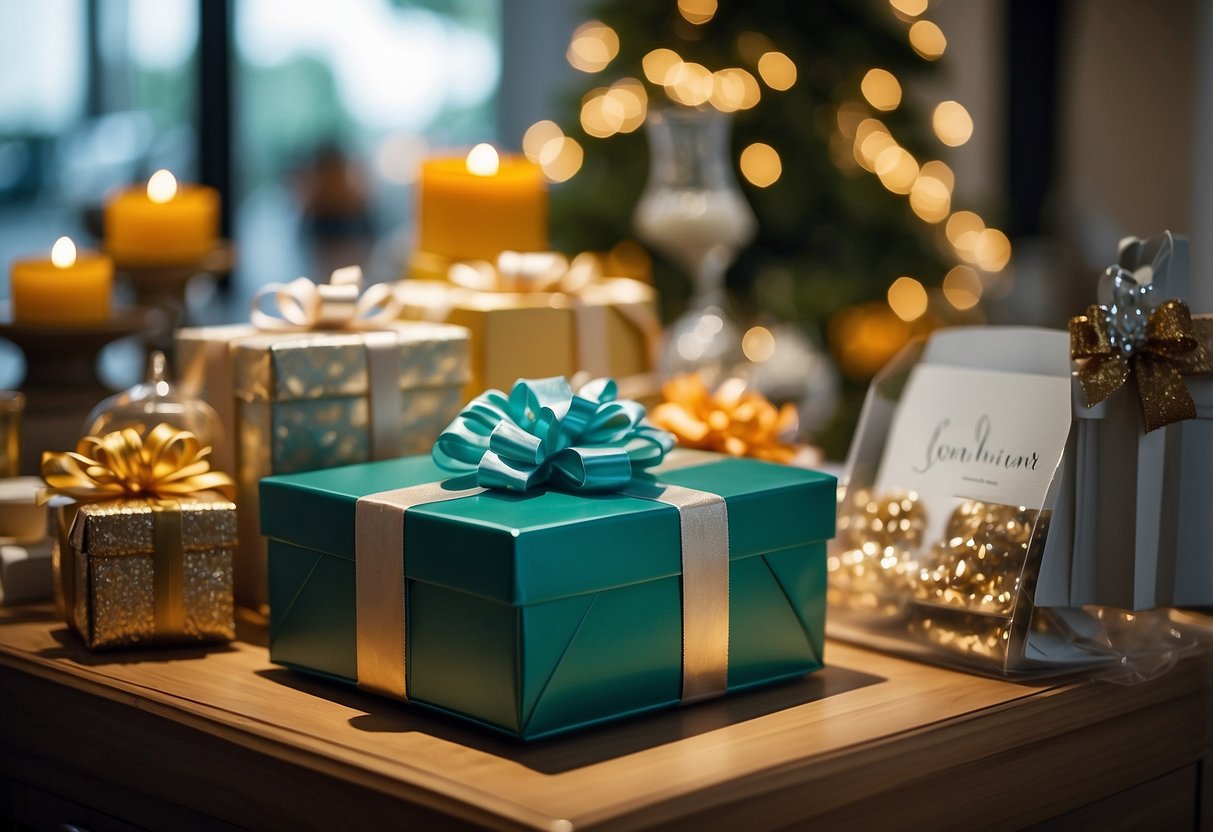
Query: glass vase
{"x": 693, "y": 211}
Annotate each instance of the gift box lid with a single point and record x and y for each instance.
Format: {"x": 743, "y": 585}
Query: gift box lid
{"x": 293, "y": 366}
{"x": 528, "y": 548}
{"x": 124, "y": 527}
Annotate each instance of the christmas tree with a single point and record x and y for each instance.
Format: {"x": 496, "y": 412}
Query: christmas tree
{"x": 843, "y": 170}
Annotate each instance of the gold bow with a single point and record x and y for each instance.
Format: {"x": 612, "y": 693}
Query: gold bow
{"x": 303, "y": 304}
{"x": 1175, "y": 344}
{"x": 735, "y": 419}
{"x": 167, "y": 463}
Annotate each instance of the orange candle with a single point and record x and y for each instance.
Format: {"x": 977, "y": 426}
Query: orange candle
{"x": 478, "y": 207}
{"x": 164, "y": 224}
{"x": 69, "y": 289}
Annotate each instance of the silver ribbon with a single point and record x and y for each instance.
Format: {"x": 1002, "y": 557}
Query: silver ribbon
{"x": 381, "y": 618}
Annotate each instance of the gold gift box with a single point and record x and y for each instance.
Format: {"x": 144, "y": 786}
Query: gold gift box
{"x": 301, "y": 401}
{"x": 125, "y": 576}
{"x": 604, "y": 330}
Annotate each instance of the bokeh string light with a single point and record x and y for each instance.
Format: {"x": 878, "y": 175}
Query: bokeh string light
{"x": 861, "y": 140}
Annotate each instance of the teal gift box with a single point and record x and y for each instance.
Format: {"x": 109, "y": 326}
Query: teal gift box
{"x": 538, "y": 613}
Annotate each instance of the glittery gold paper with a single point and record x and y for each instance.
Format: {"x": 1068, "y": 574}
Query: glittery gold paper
{"x": 112, "y": 560}
{"x": 300, "y": 402}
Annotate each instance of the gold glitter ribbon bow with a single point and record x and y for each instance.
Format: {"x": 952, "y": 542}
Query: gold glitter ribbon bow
{"x": 164, "y": 464}
{"x": 1173, "y": 344}
{"x": 734, "y": 419}
{"x": 341, "y": 303}
{"x": 161, "y": 466}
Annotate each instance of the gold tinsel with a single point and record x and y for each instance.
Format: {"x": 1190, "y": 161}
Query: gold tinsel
{"x": 879, "y": 535}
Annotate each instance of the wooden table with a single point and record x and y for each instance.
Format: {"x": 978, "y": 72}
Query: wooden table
{"x": 194, "y": 739}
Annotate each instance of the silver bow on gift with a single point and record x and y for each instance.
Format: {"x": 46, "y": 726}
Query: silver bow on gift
{"x": 304, "y": 304}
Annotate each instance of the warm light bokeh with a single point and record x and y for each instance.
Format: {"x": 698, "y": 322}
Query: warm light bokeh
{"x": 897, "y": 169}
{"x": 697, "y": 11}
{"x": 777, "y": 70}
{"x": 734, "y": 89}
{"x": 881, "y": 89}
{"x": 910, "y": 8}
{"x": 560, "y": 159}
{"x": 962, "y": 287}
{"x": 658, "y": 64}
{"x": 760, "y": 165}
{"x": 908, "y": 299}
{"x": 952, "y": 123}
{"x": 758, "y": 344}
{"x": 537, "y": 136}
{"x": 927, "y": 40}
{"x": 863, "y": 338}
{"x": 689, "y": 83}
{"x": 593, "y": 47}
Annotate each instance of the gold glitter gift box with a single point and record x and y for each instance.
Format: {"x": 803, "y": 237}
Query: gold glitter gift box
{"x": 144, "y": 536}
{"x": 122, "y": 584}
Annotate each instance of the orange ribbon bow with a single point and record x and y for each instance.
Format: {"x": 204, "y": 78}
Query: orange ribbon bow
{"x": 735, "y": 419}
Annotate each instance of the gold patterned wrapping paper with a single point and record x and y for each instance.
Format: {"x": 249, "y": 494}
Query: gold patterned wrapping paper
{"x": 301, "y": 401}
{"x": 107, "y": 569}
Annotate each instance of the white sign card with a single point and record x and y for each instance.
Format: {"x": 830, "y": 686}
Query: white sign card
{"x": 977, "y": 434}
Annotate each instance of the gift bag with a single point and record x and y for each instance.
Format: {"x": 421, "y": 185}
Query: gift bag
{"x": 1142, "y": 533}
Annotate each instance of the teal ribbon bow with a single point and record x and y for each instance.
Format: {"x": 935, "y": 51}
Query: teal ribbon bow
{"x": 544, "y": 433}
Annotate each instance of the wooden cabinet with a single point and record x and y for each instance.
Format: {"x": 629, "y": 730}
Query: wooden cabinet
{"x": 198, "y": 739}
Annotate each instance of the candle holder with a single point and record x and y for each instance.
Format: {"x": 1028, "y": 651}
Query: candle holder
{"x": 61, "y": 382}
{"x": 162, "y": 288}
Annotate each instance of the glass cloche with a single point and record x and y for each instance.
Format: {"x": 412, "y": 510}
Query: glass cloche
{"x": 153, "y": 401}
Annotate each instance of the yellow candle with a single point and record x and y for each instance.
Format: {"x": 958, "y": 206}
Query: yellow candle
{"x": 478, "y": 207}
{"x": 69, "y": 289}
{"x": 164, "y": 224}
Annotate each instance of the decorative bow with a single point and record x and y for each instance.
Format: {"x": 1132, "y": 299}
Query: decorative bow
{"x": 1128, "y": 335}
{"x": 339, "y": 304}
{"x": 165, "y": 463}
{"x": 734, "y": 419}
{"x": 532, "y": 271}
{"x": 544, "y": 433}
